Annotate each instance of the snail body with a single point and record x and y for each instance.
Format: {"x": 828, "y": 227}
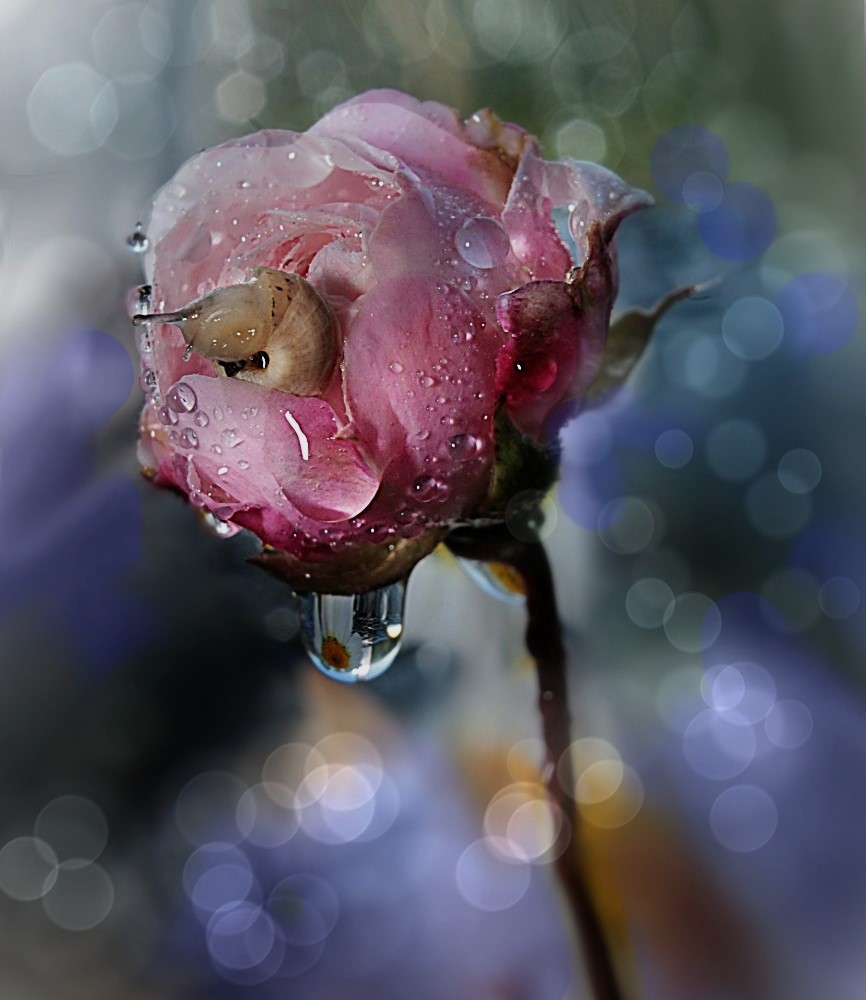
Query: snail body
{"x": 275, "y": 330}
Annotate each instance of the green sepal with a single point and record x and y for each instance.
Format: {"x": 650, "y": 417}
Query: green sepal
{"x": 521, "y": 464}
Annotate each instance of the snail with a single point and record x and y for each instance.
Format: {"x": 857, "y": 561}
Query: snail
{"x": 275, "y": 330}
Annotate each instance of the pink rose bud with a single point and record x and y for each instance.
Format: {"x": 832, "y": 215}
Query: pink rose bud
{"x": 356, "y": 338}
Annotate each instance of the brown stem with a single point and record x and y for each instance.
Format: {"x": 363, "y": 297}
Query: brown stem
{"x": 544, "y": 643}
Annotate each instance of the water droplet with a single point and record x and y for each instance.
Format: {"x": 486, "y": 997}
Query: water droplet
{"x": 218, "y": 412}
{"x": 425, "y": 381}
{"x": 189, "y": 438}
{"x": 353, "y": 638}
{"x": 202, "y": 419}
{"x": 396, "y": 367}
{"x": 181, "y": 398}
{"x": 215, "y": 448}
{"x": 530, "y": 515}
{"x": 463, "y": 446}
{"x": 578, "y": 219}
{"x": 166, "y": 416}
{"x": 222, "y": 529}
{"x": 482, "y": 242}
{"x": 496, "y": 579}
{"x": 426, "y": 488}
{"x": 243, "y": 464}
{"x": 137, "y": 241}
{"x": 222, "y": 470}
{"x": 231, "y": 437}
{"x": 141, "y": 301}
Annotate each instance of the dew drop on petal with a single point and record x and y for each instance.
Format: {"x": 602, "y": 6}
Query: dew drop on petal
{"x": 353, "y": 638}
{"x": 425, "y": 488}
{"x": 181, "y": 398}
{"x": 140, "y": 302}
{"x": 463, "y": 446}
{"x": 231, "y": 437}
{"x": 166, "y": 416}
{"x": 482, "y": 242}
{"x": 189, "y": 438}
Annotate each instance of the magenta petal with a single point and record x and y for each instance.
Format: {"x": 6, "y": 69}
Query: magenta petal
{"x": 255, "y": 447}
{"x": 439, "y": 114}
{"x": 557, "y": 333}
{"x": 420, "y": 141}
{"x": 243, "y": 204}
{"x": 423, "y": 414}
{"x": 591, "y": 194}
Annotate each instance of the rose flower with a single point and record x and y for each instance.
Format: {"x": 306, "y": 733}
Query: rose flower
{"x": 356, "y": 338}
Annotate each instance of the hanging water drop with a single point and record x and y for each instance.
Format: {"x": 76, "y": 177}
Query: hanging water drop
{"x": 222, "y": 529}
{"x": 141, "y": 301}
{"x": 137, "y": 241}
{"x": 353, "y": 638}
{"x": 497, "y": 579}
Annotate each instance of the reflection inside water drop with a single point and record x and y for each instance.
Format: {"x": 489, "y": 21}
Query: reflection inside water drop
{"x": 353, "y": 638}
{"x": 497, "y": 579}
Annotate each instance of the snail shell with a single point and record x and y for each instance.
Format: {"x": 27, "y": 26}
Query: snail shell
{"x": 274, "y": 329}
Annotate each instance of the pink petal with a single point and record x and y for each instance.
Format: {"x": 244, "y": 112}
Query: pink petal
{"x": 240, "y": 205}
{"x": 424, "y": 232}
{"x": 264, "y": 448}
{"x": 417, "y": 139}
{"x": 423, "y": 413}
{"x": 590, "y": 193}
{"x": 439, "y": 114}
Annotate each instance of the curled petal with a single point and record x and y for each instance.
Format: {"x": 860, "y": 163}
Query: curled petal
{"x": 253, "y": 447}
{"x": 557, "y": 331}
{"x": 421, "y": 135}
{"x": 591, "y": 194}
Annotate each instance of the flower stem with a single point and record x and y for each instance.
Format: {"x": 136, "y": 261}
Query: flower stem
{"x": 545, "y": 645}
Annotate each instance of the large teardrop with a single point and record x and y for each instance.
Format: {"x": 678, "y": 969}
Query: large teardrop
{"x": 355, "y": 637}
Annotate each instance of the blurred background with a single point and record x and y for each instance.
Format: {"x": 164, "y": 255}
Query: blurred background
{"x": 186, "y": 808}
